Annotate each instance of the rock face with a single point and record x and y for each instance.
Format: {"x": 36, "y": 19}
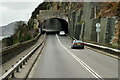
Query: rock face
{"x": 82, "y": 19}
{"x": 83, "y": 26}
{"x": 116, "y": 39}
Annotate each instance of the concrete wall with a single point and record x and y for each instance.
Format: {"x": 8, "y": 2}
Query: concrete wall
{"x": 47, "y": 14}
{"x": 81, "y": 26}
{"x": 16, "y": 49}
{"x": 77, "y": 31}
{"x": 88, "y": 30}
{"x": 86, "y": 17}
{"x": 70, "y": 25}
{"x": 78, "y": 24}
{"x": 103, "y": 29}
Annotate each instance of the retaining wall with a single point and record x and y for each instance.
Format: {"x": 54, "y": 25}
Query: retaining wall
{"x": 16, "y": 49}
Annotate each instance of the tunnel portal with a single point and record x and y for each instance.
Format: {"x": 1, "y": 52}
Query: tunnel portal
{"x": 55, "y": 25}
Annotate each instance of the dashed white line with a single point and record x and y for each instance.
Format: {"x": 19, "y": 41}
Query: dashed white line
{"x": 81, "y": 62}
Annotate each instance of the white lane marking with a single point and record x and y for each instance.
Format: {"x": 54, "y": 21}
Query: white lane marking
{"x": 81, "y": 62}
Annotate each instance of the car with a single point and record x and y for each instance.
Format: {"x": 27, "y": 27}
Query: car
{"x": 77, "y": 44}
{"x": 62, "y": 33}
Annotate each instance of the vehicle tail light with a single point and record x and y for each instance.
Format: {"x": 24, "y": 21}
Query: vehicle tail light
{"x": 82, "y": 43}
{"x": 74, "y": 43}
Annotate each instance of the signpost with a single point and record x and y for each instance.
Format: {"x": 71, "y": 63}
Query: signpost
{"x": 98, "y": 31}
{"x": 39, "y": 30}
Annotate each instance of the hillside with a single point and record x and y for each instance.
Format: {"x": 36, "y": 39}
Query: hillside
{"x": 104, "y": 9}
{"x": 18, "y": 32}
{"x": 9, "y": 29}
{"x": 110, "y": 9}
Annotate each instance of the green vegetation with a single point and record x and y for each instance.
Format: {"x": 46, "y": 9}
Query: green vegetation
{"x": 43, "y": 6}
{"x": 119, "y": 5}
{"x": 119, "y": 39}
{"x": 23, "y": 33}
{"x": 110, "y": 9}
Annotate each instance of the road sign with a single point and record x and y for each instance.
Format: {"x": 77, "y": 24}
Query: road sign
{"x": 97, "y": 29}
{"x": 39, "y": 30}
{"x": 98, "y": 25}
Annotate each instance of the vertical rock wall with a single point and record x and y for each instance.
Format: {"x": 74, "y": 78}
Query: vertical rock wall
{"x": 110, "y": 31}
{"x": 83, "y": 26}
{"x": 103, "y": 29}
{"x": 82, "y": 22}
{"x": 94, "y": 33}
{"x": 70, "y": 25}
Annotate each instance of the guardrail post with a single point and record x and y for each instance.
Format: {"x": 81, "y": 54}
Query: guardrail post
{"x": 13, "y": 75}
{"x": 16, "y": 61}
{"x": 26, "y": 60}
{"x": 28, "y": 57}
{"x": 118, "y": 55}
{"x": 21, "y": 66}
{"x": 12, "y": 65}
{"x": 23, "y": 62}
{"x": 5, "y": 79}
{"x": 17, "y": 70}
{"x": 6, "y": 71}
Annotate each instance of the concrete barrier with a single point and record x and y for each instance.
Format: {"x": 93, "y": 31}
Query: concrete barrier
{"x": 12, "y": 47}
{"x": 15, "y": 68}
{"x": 104, "y": 48}
{"x": 8, "y": 52}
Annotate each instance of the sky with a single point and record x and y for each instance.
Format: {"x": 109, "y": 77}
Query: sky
{"x": 16, "y": 10}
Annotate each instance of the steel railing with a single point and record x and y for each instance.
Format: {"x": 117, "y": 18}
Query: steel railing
{"x": 104, "y": 48}
{"x": 15, "y": 68}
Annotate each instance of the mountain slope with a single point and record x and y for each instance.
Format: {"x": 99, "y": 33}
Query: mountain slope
{"x": 9, "y": 29}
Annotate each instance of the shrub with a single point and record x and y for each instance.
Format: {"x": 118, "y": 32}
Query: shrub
{"x": 119, "y": 39}
{"x": 119, "y": 5}
{"x": 8, "y": 41}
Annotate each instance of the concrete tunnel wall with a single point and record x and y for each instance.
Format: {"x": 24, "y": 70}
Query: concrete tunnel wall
{"x": 55, "y": 24}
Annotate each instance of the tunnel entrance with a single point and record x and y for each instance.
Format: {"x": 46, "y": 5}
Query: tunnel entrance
{"x": 55, "y": 25}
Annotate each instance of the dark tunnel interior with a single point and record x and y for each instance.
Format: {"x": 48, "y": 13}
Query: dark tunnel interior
{"x": 55, "y": 25}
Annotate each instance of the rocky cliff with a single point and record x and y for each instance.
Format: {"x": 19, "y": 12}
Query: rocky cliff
{"x": 86, "y": 15}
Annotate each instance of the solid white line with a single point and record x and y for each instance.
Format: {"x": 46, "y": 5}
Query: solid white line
{"x": 81, "y": 62}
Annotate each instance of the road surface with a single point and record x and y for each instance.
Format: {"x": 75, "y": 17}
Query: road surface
{"x": 58, "y": 60}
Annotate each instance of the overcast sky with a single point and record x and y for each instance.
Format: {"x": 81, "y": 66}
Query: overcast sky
{"x": 16, "y": 10}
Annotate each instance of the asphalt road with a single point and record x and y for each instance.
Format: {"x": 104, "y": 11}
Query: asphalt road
{"x": 58, "y": 60}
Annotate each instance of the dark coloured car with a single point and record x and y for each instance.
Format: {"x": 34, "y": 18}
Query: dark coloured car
{"x": 77, "y": 44}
